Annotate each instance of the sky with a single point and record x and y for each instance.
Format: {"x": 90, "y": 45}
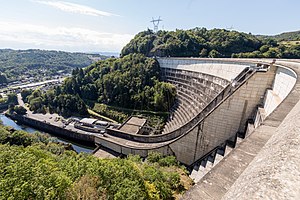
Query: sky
{"x": 108, "y": 25}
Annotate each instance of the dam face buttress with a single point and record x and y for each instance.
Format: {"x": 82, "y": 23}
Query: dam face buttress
{"x": 217, "y": 101}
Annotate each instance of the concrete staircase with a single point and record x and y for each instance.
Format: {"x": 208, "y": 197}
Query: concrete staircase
{"x": 214, "y": 179}
{"x": 205, "y": 166}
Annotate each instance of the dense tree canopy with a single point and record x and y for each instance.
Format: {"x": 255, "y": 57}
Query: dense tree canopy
{"x": 54, "y": 101}
{"x": 195, "y": 42}
{"x": 20, "y": 110}
{"x": 131, "y": 82}
{"x": 12, "y": 99}
{"x": 287, "y": 36}
{"x": 17, "y": 64}
{"x": 34, "y": 166}
{"x": 272, "y": 51}
{"x": 200, "y": 42}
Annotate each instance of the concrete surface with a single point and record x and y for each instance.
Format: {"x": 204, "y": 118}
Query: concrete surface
{"x": 259, "y": 167}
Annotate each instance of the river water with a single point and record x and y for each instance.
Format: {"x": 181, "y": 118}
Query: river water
{"x": 9, "y": 122}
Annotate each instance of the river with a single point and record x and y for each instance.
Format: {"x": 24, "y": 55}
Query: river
{"x": 9, "y": 122}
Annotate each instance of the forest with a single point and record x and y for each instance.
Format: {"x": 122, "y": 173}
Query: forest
{"x": 131, "y": 82}
{"x": 214, "y": 43}
{"x": 36, "y": 166}
{"x": 53, "y": 101}
{"x": 287, "y": 36}
{"x": 18, "y": 64}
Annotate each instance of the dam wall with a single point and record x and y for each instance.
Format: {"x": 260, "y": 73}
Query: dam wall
{"x": 266, "y": 164}
{"x": 235, "y": 93}
{"x": 227, "y": 119}
{"x": 225, "y": 69}
{"x": 284, "y": 81}
{"x": 275, "y": 172}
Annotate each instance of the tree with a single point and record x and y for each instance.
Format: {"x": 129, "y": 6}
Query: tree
{"x": 25, "y": 93}
{"x": 120, "y": 82}
{"x": 33, "y": 167}
{"x": 3, "y": 79}
{"x": 36, "y": 104}
{"x": 20, "y": 110}
{"x": 203, "y": 53}
{"x": 12, "y": 98}
{"x": 86, "y": 189}
{"x": 214, "y": 54}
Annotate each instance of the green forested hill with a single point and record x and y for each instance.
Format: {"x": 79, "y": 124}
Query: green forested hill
{"x": 132, "y": 81}
{"x": 195, "y": 42}
{"x": 19, "y": 64}
{"x": 200, "y": 42}
{"x": 287, "y": 36}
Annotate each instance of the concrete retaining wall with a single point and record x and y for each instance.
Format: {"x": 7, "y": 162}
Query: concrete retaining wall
{"x": 53, "y": 129}
{"x": 126, "y": 149}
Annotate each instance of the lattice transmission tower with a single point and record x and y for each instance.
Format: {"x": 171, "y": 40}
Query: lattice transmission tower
{"x": 155, "y": 23}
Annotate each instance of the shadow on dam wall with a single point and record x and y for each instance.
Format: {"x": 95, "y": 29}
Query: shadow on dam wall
{"x": 249, "y": 82}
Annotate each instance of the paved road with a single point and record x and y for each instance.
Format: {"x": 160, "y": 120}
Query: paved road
{"x": 20, "y": 101}
{"x": 30, "y": 85}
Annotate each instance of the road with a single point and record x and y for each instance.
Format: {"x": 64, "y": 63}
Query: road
{"x": 20, "y": 101}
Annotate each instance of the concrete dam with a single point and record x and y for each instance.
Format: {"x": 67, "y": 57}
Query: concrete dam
{"x": 218, "y": 101}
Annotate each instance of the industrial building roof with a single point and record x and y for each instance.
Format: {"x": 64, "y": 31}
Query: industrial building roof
{"x": 133, "y": 125}
{"x": 88, "y": 120}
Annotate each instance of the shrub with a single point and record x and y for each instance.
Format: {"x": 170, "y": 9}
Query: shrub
{"x": 168, "y": 161}
{"x": 154, "y": 157}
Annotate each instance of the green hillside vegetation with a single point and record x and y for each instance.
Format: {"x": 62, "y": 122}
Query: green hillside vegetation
{"x": 130, "y": 82}
{"x": 194, "y": 42}
{"x": 276, "y": 50}
{"x": 54, "y": 101}
{"x": 287, "y": 36}
{"x": 215, "y": 43}
{"x": 17, "y": 64}
{"x": 34, "y": 166}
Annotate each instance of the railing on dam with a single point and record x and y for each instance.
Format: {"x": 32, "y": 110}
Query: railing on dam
{"x": 187, "y": 143}
{"x": 191, "y": 123}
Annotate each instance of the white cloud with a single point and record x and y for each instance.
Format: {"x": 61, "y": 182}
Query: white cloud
{"x": 75, "y": 8}
{"x": 60, "y": 38}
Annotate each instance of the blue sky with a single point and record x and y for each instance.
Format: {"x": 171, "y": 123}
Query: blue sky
{"x": 107, "y": 25}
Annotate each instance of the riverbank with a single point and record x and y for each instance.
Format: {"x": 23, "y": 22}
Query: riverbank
{"x": 78, "y": 146}
{"x": 49, "y": 124}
